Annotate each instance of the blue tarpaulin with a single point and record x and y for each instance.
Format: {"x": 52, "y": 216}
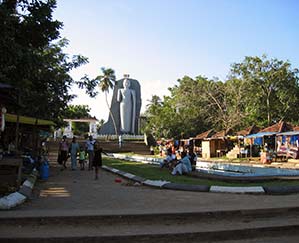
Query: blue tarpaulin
{"x": 261, "y": 134}
{"x": 291, "y": 133}
{"x": 258, "y": 141}
{"x": 294, "y": 136}
{"x": 258, "y": 137}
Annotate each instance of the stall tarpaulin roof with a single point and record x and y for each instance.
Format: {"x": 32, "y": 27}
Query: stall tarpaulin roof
{"x": 261, "y": 134}
{"x": 291, "y": 133}
{"x": 27, "y": 120}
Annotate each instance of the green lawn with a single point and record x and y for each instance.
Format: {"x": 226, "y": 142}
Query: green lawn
{"x": 155, "y": 173}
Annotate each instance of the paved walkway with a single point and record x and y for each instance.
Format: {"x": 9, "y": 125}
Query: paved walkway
{"x": 77, "y": 193}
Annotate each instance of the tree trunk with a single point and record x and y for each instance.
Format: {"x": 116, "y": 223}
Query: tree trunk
{"x": 268, "y": 110}
{"x": 112, "y": 117}
{"x": 35, "y": 138}
{"x": 17, "y": 131}
{"x": 18, "y": 122}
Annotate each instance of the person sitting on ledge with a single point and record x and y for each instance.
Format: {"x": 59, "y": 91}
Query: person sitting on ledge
{"x": 183, "y": 166}
{"x": 193, "y": 158}
{"x": 168, "y": 160}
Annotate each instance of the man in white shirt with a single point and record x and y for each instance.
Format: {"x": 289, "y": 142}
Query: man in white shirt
{"x": 89, "y": 145}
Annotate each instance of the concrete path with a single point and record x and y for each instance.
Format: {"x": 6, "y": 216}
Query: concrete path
{"x": 77, "y": 193}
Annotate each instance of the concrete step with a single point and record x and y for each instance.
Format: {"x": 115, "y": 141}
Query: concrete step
{"x": 175, "y": 227}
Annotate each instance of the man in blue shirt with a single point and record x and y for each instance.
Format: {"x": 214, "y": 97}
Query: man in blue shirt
{"x": 183, "y": 166}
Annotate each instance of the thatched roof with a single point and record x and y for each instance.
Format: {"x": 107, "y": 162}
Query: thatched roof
{"x": 222, "y": 133}
{"x": 206, "y": 134}
{"x": 296, "y": 128}
{"x": 249, "y": 130}
{"x": 278, "y": 127}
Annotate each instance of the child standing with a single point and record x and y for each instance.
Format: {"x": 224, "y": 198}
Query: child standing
{"x": 82, "y": 157}
{"x": 97, "y": 159}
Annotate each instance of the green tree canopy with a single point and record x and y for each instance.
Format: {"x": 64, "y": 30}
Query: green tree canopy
{"x": 77, "y": 112}
{"x": 271, "y": 89}
{"x": 32, "y": 58}
{"x": 258, "y": 91}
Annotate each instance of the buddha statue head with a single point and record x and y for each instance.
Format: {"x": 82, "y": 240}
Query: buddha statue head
{"x": 126, "y": 83}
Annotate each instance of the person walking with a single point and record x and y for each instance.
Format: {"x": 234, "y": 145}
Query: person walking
{"x": 97, "y": 160}
{"x": 90, "y": 151}
{"x": 63, "y": 152}
{"x": 120, "y": 140}
{"x": 74, "y": 149}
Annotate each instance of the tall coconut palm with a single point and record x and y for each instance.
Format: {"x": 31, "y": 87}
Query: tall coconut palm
{"x": 107, "y": 82}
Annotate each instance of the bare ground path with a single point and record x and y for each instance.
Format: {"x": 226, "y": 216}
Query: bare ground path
{"x": 72, "y": 196}
{"x": 76, "y": 192}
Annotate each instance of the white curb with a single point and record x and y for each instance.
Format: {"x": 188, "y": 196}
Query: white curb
{"x": 114, "y": 170}
{"x": 231, "y": 189}
{"x": 129, "y": 175}
{"x": 155, "y": 183}
{"x": 28, "y": 183}
{"x": 11, "y": 200}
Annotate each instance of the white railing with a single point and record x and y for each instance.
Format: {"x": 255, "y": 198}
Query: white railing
{"x": 108, "y": 137}
{"x": 115, "y": 137}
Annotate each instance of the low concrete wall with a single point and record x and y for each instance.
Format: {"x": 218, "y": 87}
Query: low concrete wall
{"x": 242, "y": 170}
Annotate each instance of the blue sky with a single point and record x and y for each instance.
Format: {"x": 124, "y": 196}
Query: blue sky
{"x": 159, "y": 41}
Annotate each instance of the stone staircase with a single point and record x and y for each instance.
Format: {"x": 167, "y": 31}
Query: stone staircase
{"x": 251, "y": 225}
{"x": 136, "y": 147}
{"x": 234, "y": 153}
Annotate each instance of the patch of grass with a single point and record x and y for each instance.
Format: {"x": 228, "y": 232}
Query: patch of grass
{"x": 152, "y": 172}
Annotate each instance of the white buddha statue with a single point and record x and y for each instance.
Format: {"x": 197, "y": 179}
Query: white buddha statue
{"x": 127, "y": 99}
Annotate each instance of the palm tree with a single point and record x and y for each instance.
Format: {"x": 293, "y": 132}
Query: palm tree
{"x": 106, "y": 82}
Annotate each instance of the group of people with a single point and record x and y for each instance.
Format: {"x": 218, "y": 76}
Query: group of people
{"x": 90, "y": 150}
{"x": 179, "y": 162}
